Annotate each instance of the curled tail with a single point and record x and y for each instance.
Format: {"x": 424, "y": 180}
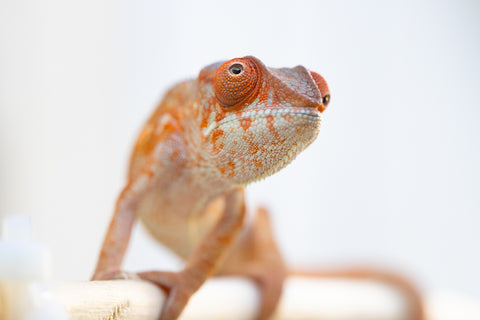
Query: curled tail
{"x": 413, "y": 296}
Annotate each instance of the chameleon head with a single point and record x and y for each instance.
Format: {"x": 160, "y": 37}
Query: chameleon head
{"x": 257, "y": 119}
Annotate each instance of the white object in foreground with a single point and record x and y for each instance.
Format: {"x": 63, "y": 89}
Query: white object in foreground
{"x": 24, "y": 274}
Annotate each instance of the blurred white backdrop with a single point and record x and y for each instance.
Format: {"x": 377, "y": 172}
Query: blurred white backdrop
{"x": 392, "y": 180}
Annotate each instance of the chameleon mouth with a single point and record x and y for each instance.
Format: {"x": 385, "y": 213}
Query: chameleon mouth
{"x": 307, "y": 113}
{"x": 259, "y": 113}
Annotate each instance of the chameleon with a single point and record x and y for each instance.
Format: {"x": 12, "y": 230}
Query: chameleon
{"x": 238, "y": 122}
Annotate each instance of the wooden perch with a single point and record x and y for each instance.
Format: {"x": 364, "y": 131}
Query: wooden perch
{"x": 235, "y": 298}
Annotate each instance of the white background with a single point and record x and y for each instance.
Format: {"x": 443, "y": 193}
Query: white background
{"x": 393, "y": 179}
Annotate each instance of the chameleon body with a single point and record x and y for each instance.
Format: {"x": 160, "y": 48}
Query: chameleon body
{"x": 237, "y": 122}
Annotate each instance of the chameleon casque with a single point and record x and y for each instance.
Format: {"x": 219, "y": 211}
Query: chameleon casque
{"x": 238, "y": 122}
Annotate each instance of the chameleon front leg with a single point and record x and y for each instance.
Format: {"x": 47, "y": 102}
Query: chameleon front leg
{"x": 117, "y": 238}
{"x": 203, "y": 262}
{"x": 119, "y": 231}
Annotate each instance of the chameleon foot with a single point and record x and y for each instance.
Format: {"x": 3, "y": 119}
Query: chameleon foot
{"x": 270, "y": 286}
{"x": 256, "y": 256}
{"x": 269, "y": 271}
{"x": 177, "y": 288}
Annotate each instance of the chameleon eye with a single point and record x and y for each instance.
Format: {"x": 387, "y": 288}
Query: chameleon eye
{"x": 235, "y": 82}
{"x": 235, "y": 69}
{"x": 326, "y": 100}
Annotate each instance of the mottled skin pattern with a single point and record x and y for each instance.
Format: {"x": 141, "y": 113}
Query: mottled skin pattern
{"x": 238, "y": 122}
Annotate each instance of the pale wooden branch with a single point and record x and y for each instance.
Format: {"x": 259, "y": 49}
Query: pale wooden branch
{"x": 235, "y": 298}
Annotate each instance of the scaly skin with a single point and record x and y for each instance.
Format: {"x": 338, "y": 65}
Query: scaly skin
{"x": 238, "y": 122}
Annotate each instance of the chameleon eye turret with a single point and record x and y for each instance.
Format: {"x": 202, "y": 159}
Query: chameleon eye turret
{"x": 236, "y": 81}
{"x": 323, "y": 87}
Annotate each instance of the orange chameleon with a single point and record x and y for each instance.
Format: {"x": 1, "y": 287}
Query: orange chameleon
{"x": 237, "y": 123}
